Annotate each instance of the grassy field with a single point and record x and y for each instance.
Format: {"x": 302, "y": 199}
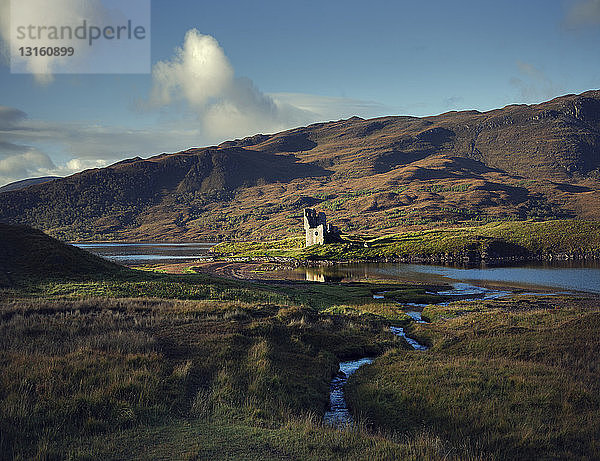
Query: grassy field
{"x": 124, "y": 364}
{"x": 516, "y": 378}
{"x": 115, "y": 363}
{"x": 198, "y": 286}
{"x": 198, "y": 367}
{"x": 494, "y": 240}
{"x": 148, "y": 378}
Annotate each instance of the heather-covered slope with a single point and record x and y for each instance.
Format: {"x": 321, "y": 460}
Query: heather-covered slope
{"x": 376, "y": 176}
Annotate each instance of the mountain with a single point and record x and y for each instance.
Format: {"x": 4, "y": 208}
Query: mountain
{"x": 27, "y": 254}
{"x": 17, "y": 185}
{"x": 370, "y": 176}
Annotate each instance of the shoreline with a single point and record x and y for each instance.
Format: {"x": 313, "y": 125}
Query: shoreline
{"x": 261, "y": 272}
{"x": 441, "y": 259}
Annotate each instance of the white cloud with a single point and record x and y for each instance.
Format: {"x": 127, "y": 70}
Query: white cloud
{"x": 220, "y": 106}
{"x": 22, "y": 142}
{"x": 34, "y": 163}
{"x": 200, "y": 75}
{"x": 81, "y": 140}
{"x": 24, "y": 165}
{"x": 331, "y": 108}
{"x": 40, "y": 13}
{"x": 82, "y": 146}
{"x": 197, "y": 73}
{"x": 78, "y": 164}
{"x": 9, "y": 116}
{"x": 71, "y": 23}
{"x": 17, "y": 161}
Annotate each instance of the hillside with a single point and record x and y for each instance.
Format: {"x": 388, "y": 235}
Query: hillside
{"x": 27, "y": 253}
{"x": 370, "y": 176}
{"x": 17, "y": 185}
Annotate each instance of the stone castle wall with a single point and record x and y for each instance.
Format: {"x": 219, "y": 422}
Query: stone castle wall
{"x": 318, "y": 232}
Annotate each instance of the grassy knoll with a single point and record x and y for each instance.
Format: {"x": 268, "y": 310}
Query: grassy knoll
{"x": 516, "y": 378}
{"x": 29, "y": 253}
{"x": 504, "y": 239}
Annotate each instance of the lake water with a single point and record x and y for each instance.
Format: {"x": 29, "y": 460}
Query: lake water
{"x": 560, "y": 276}
{"x": 149, "y": 253}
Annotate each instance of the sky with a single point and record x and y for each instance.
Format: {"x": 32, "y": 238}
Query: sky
{"x": 229, "y": 69}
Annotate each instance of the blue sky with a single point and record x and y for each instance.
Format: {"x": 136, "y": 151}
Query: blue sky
{"x": 283, "y": 64}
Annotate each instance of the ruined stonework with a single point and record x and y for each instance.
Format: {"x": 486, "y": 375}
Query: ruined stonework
{"x": 318, "y": 232}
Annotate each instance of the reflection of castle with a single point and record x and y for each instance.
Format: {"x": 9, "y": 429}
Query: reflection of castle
{"x": 314, "y": 276}
{"x": 318, "y": 232}
{"x": 320, "y": 274}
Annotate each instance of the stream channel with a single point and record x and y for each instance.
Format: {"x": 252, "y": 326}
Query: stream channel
{"x": 338, "y": 414}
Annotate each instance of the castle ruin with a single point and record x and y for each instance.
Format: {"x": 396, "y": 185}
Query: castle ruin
{"x": 318, "y": 232}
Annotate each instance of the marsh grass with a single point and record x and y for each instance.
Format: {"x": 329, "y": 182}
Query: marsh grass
{"x": 198, "y": 287}
{"x": 519, "y": 377}
{"x": 414, "y": 295}
{"x": 301, "y": 437}
{"x": 392, "y": 313}
{"x": 136, "y": 365}
{"x": 86, "y": 369}
{"x": 32, "y": 278}
{"x": 157, "y": 286}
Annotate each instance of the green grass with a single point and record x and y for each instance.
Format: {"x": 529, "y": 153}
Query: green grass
{"x": 391, "y": 312}
{"x": 272, "y": 248}
{"x": 90, "y": 367}
{"x": 415, "y": 295}
{"x": 134, "y": 353}
{"x": 244, "y": 373}
{"x": 517, "y": 378}
{"x": 499, "y": 239}
{"x": 198, "y": 286}
{"x": 298, "y": 439}
{"x": 432, "y": 313}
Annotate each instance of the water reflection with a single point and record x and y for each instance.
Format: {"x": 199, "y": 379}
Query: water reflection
{"x": 563, "y": 275}
{"x": 146, "y": 253}
{"x": 576, "y": 276}
{"x": 319, "y": 274}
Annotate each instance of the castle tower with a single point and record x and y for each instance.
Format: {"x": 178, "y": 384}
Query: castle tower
{"x": 318, "y": 232}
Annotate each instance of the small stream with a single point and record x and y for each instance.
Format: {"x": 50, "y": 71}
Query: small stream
{"x": 399, "y": 331}
{"x": 461, "y": 289}
{"x": 338, "y": 415}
